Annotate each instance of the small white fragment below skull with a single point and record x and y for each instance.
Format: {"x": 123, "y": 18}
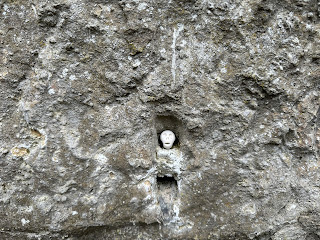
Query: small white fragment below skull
{"x": 167, "y": 138}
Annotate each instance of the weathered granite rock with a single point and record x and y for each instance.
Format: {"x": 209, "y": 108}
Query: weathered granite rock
{"x": 87, "y": 87}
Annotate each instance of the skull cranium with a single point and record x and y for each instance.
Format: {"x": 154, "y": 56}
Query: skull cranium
{"x": 167, "y": 138}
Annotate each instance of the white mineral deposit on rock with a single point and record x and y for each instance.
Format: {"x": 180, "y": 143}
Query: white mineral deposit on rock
{"x": 167, "y": 138}
{"x": 87, "y": 87}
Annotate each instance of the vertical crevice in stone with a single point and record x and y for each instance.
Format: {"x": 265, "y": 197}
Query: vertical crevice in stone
{"x": 167, "y": 197}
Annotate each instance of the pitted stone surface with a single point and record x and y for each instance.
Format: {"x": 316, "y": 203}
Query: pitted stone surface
{"x": 82, "y": 82}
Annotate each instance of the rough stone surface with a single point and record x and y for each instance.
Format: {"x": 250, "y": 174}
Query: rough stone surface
{"x": 86, "y": 87}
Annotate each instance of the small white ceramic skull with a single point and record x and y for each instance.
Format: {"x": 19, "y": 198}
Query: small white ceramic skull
{"x": 167, "y": 138}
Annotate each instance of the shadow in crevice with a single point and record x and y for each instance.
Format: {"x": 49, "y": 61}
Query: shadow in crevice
{"x": 167, "y": 196}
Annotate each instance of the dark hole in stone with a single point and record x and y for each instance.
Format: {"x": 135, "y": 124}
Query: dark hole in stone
{"x": 168, "y": 193}
{"x": 175, "y": 143}
{"x": 169, "y": 122}
{"x": 167, "y": 181}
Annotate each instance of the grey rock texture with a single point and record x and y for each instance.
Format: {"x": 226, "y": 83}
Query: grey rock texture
{"x": 86, "y": 87}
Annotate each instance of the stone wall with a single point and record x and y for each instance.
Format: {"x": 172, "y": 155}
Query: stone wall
{"x": 87, "y": 86}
